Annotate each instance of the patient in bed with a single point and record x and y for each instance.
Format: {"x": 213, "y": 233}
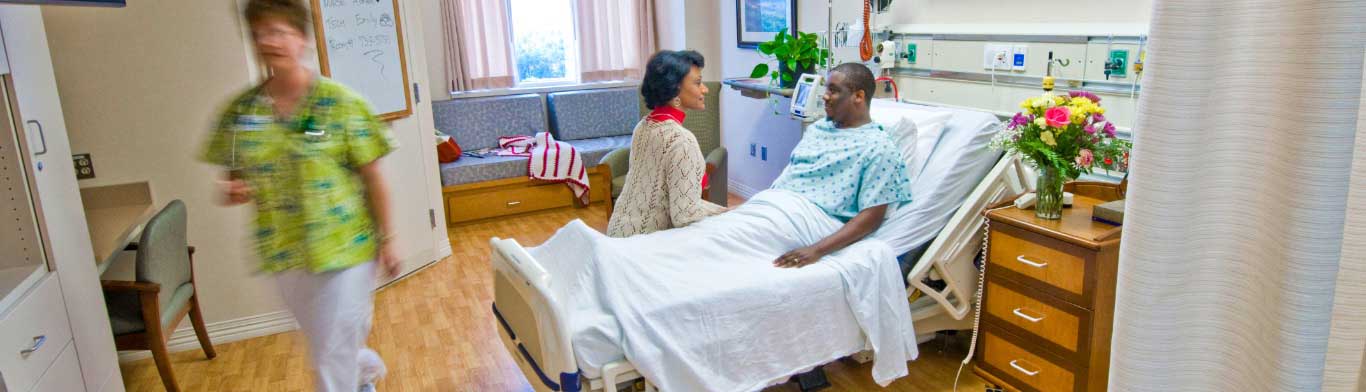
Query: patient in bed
{"x": 846, "y": 164}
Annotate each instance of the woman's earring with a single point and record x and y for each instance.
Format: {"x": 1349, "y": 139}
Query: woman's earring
{"x": 677, "y": 103}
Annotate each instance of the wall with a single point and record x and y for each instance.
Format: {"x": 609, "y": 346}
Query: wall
{"x": 434, "y": 47}
{"x": 140, "y": 87}
{"x": 745, "y": 120}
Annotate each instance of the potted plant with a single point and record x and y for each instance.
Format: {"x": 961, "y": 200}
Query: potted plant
{"x": 796, "y": 54}
{"x": 1062, "y": 136}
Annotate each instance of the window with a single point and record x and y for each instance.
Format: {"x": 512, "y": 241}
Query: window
{"x": 543, "y": 45}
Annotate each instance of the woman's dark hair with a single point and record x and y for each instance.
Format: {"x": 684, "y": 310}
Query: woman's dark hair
{"x": 664, "y": 75}
{"x": 292, "y": 11}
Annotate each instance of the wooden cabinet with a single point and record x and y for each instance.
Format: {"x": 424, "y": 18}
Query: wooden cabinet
{"x": 1048, "y": 307}
{"x": 69, "y": 284}
{"x": 478, "y": 201}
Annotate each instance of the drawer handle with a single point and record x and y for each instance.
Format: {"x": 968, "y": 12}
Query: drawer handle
{"x": 1014, "y": 364}
{"x": 514, "y": 204}
{"x": 37, "y": 344}
{"x": 1029, "y": 262}
{"x": 1027, "y": 317}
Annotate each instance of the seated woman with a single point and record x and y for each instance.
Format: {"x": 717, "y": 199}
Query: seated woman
{"x": 663, "y": 189}
{"x": 846, "y": 164}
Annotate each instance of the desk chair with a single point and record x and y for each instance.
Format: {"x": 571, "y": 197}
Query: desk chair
{"x": 145, "y": 311}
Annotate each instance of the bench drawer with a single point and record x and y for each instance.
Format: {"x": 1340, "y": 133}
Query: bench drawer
{"x": 506, "y": 200}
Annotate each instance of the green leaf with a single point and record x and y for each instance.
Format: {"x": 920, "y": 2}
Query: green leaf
{"x": 767, "y": 47}
{"x": 782, "y": 52}
{"x": 759, "y": 71}
{"x": 787, "y": 77}
{"x": 805, "y": 64}
{"x": 792, "y": 65}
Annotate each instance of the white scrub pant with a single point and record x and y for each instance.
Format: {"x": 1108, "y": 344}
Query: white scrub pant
{"x": 334, "y": 310}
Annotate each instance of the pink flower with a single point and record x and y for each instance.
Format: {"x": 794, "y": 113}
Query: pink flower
{"x": 1058, "y": 116}
{"x": 1110, "y": 129}
{"x": 1090, "y": 129}
{"x": 1085, "y": 158}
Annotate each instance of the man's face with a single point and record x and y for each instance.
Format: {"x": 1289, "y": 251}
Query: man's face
{"x": 840, "y": 100}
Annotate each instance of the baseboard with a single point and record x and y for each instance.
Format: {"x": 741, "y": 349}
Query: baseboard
{"x": 742, "y": 190}
{"x": 183, "y": 339}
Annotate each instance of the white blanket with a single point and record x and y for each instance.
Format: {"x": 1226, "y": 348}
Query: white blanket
{"x": 702, "y": 308}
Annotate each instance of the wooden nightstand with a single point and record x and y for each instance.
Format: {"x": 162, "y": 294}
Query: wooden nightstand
{"x": 1048, "y": 309}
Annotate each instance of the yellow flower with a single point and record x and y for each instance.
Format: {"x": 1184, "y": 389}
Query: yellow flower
{"x": 1028, "y": 103}
{"x": 1059, "y": 100}
{"x": 1040, "y": 122}
{"x": 1047, "y": 138}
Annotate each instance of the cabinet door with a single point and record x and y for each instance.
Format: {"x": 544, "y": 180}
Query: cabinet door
{"x": 39, "y": 110}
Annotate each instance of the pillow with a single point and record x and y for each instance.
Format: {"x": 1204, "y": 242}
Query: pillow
{"x": 903, "y": 133}
{"x": 929, "y": 127}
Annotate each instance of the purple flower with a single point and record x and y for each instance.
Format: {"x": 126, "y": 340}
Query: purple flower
{"x": 1086, "y": 94}
{"x": 1020, "y": 119}
{"x": 1098, "y": 117}
{"x": 1110, "y": 129}
{"x": 1090, "y": 129}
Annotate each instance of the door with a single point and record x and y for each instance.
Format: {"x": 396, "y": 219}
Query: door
{"x": 24, "y": 259}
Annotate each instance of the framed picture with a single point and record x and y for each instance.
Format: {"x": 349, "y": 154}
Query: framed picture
{"x": 758, "y": 20}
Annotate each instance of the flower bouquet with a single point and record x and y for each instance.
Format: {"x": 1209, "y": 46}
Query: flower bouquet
{"x": 1062, "y": 137}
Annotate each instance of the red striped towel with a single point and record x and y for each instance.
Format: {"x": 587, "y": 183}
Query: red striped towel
{"x": 550, "y": 160}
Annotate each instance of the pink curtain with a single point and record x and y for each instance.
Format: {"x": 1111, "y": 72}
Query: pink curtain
{"x": 478, "y": 44}
{"x": 616, "y": 37}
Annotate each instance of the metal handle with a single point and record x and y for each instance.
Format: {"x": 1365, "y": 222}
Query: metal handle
{"x": 1030, "y": 263}
{"x": 41, "y": 137}
{"x": 1022, "y": 370}
{"x": 514, "y": 203}
{"x": 1026, "y": 317}
{"x": 37, "y": 344}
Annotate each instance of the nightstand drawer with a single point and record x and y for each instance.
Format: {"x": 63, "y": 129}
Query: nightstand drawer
{"x": 1046, "y": 319}
{"x": 1023, "y": 370}
{"x": 1052, "y": 262}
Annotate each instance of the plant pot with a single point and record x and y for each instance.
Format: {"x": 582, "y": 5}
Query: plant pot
{"x": 784, "y": 70}
{"x": 1048, "y": 189}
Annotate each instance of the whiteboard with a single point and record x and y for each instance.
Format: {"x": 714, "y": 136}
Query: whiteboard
{"x": 360, "y": 44}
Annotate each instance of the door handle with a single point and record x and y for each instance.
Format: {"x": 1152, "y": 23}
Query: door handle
{"x": 37, "y": 344}
{"x": 41, "y": 137}
{"x": 1029, "y": 262}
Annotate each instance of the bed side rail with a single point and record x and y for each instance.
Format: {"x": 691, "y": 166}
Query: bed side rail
{"x": 949, "y": 257}
{"x": 530, "y": 318}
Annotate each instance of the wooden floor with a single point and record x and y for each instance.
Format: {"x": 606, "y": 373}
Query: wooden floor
{"x": 435, "y": 333}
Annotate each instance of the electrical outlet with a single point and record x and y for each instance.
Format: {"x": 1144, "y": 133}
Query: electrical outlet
{"x": 85, "y": 168}
{"x": 763, "y": 153}
{"x": 996, "y": 57}
{"x": 752, "y": 149}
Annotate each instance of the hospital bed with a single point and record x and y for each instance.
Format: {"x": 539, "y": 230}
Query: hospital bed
{"x": 962, "y": 178}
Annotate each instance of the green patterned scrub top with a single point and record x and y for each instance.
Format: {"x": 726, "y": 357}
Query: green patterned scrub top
{"x": 311, "y": 206}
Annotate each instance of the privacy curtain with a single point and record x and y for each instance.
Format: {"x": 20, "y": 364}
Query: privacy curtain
{"x": 616, "y": 37}
{"x": 1242, "y": 261}
{"x": 478, "y": 44}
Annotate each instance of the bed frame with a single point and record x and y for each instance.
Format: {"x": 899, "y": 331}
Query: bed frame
{"x": 532, "y": 326}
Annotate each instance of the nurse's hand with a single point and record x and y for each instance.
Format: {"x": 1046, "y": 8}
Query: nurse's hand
{"x": 798, "y": 258}
{"x": 388, "y": 259}
{"x": 235, "y": 192}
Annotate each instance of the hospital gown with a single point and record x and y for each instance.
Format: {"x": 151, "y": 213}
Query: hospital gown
{"x": 845, "y": 171}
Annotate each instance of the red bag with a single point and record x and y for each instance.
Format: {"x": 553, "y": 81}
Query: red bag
{"x": 447, "y": 151}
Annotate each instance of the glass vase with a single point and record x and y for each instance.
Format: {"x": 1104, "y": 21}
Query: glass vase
{"x": 1048, "y": 189}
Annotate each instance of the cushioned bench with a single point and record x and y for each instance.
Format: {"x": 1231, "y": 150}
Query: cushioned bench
{"x": 595, "y": 122}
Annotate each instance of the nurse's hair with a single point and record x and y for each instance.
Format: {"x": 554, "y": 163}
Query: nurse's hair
{"x": 292, "y": 12}
{"x": 858, "y": 77}
{"x": 664, "y": 75}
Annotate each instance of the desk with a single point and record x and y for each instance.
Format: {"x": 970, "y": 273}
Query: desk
{"x": 115, "y": 215}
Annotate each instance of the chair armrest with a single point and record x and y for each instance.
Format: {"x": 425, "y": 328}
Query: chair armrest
{"x": 128, "y": 285}
{"x": 716, "y": 157}
{"x": 618, "y": 160}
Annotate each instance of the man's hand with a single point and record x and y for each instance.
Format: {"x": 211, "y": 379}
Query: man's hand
{"x": 235, "y": 192}
{"x": 388, "y": 260}
{"x": 798, "y": 258}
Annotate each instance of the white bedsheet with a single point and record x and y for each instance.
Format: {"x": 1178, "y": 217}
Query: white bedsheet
{"x": 702, "y": 308}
